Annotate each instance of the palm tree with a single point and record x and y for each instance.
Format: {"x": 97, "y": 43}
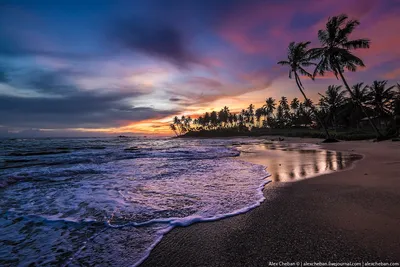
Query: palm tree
{"x": 335, "y": 54}
{"x": 284, "y": 103}
{"x": 280, "y": 117}
{"x": 183, "y": 124}
{"x": 269, "y": 106}
{"x": 250, "y": 114}
{"x": 298, "y": 58}
{"x": 360, "y": 94}
{"x": 173, "y": 128}
{"x": 207, "y": 120}
{"x": 333, "y": 99}
{"x": 294, "y": 104}
{"x": 259, "y": 112}
{"x": 213, "y": 119}
{"x": 381, "y": 98}
{"x": 187, "y": 122}
{"x": 178, "y": 124}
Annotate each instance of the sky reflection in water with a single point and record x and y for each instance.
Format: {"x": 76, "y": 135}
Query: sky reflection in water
{"x": 291, "y": 162}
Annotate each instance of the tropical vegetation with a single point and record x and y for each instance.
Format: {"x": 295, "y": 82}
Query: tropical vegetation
{"x": 360, "y": 107}
{"x": 336, "y": 110}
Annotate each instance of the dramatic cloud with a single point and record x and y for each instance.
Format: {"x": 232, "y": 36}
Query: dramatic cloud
{"x": 67, "y": 106}
{"x": 135, "y": 64}
{"x": 79, "y": 111}
{"x": 154, "y": 38}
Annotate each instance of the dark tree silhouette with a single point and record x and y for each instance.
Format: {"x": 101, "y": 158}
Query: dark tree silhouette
{"x": 298, "y": 58}
{"x": 360, "y": 94}
{"x": 381, "y": 97}
{"x": 173, "y": 128}
{"x": 332, "y": 101}
{"x": 336, "y": 53}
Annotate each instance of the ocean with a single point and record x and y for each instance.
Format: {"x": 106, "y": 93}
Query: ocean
{"x": 109, "y": 201}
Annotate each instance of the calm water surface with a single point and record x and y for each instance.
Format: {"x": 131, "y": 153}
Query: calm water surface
{"x": 288, "y": 162}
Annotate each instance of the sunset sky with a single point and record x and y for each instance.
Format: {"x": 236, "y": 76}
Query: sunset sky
{"x": 78, "y": 68}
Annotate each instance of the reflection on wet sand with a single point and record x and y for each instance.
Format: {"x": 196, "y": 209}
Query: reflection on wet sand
{"x": 290, "y": 162}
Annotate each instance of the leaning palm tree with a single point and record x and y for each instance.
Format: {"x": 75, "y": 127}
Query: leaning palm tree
{"x": 178, "y": 124}
{"x": 298, "y": 58}
{"x": 173, "y": 128}
{"x": 336, "y": 53}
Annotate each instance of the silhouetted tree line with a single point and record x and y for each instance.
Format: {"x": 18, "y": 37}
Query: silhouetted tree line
{"x": 336, "y": 109}
{"x": 377, "y": 103}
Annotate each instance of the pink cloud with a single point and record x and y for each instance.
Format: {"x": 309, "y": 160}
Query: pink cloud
{"x": 258, "y": 28}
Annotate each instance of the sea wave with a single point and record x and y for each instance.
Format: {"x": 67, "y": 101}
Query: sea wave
{"x": 126, "y": 195}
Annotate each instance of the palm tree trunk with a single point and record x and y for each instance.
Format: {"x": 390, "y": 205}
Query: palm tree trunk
{"x": 378, "y": 133}
{"x": 312, "y": 106}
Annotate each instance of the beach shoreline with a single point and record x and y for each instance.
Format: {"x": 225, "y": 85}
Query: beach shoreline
{"x": 342, "y": 216}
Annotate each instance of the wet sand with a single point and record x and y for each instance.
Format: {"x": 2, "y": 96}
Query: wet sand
{"x": 342, "y": 216}
{"x": 290, "y": 162}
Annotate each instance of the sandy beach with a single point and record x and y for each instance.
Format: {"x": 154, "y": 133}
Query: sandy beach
{"x": 344, "y": 216}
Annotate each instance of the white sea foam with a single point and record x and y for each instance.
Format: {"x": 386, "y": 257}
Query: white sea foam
{"x": 124, "y": 196}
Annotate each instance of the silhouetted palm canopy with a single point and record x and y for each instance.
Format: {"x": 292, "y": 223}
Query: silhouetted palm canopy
{"x": 360, "y": 92}
{"x": 300, "y": 57}
{"x": 284, "y": 103}
{"x": 334, "y": 98}
{"x": 336, "y": 51}
{"x": 294, "y": 104}
{"x": 381, "y": 97}
{"x": 269, "y": 105}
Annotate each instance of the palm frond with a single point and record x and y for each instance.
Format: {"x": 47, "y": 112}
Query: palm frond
{"x": 321, "y": 67}
{"x": 305, "y": 73}
{"x": 323, "y": 36}
{"x": 341, "y": 19}
{"x": 348, "y": 57}
{"x": 344, "y": 32}
{"x": 356, "y": 44}
{"x": 307, "y": 64}
{"x": 283, "y": 62}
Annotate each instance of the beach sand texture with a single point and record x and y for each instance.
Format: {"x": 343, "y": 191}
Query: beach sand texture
{"x": 344, "y": 216}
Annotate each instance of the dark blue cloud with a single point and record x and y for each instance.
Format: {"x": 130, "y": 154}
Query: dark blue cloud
{"x": 156, "y": 39}
{"x": 67, "y": 106}
{"x": 86, "y": 110}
